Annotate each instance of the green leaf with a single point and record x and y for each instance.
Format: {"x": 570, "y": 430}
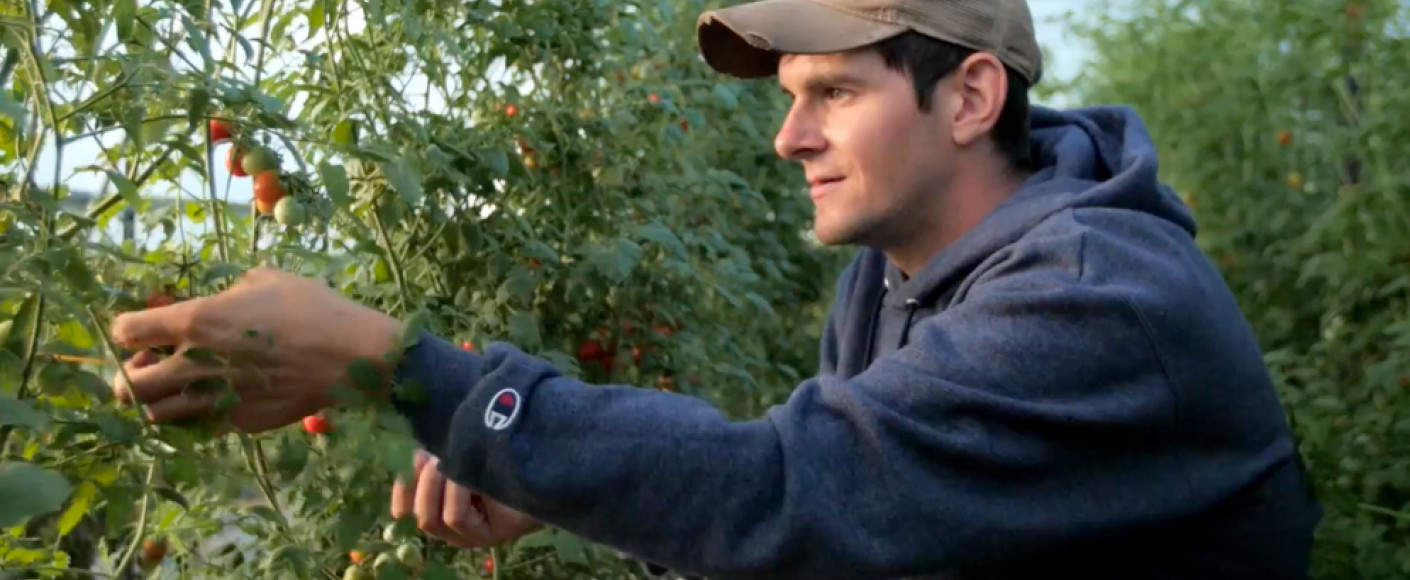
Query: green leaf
{"x": 291, "y": 458}
{"x": 92, "y": 384}
{"x": 28, "y": 490}
{"x": 196, "y": 38}
{"x": 75, "y": 334}
{"x": 76, "y": 510}
{"x": 17, "y": 342}
{"x": 126, "y": 188}
{"x": 405, "y": 178}
{"x": 519, "y": 285}
{"x": 220, "y": 270}
{"x": 351, "y": 525}
{"x": 116, "y": 428}
{"x": 266, "y": 513}
{"x": 345, "y": 132}
{"x": 725, "y": 93}
{"x": 54, "y": 378}
{"x": 16, "y": 412}
{"x": 10, "y": 368}
{"x": 496, "y": 160}
{"x": 12, "y": 109}
{"x": 616, "y": 263}
{"x": 315, "y": 18}
{"x": 203, "y": 356}
{"x": 245, "y": 45}
{"x": 196, "y": 103}
{"x": 335, "y": 180}
{"x": 569, "y": 547}
{"x": 524, "y": 330}
{"x": 227, "y": 401}
{"x": 540, "y": 250}
{"x": 395, "y": 451}
{"x": 171, "y": 495}
{"x": 658, "y": 233}
{"x": 438, "y": 571}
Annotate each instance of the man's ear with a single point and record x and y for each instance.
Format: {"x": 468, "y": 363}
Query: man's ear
{"x": 977, "y": 88}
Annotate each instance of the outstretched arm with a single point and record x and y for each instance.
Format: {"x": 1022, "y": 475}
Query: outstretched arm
{"x": 1032, "y": 414}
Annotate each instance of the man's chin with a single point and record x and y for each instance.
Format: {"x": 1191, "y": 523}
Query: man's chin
{"x": 833, "y": 236}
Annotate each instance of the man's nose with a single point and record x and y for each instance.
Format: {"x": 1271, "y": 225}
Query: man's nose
{"x": 799, "y": 136}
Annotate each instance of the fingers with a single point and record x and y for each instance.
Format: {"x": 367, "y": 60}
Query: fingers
{"x": 154, "y": 379}
{"x": 446, "y": 510}
{"x": 404, "y": 492}
{"x": 430, "y": 494}
{"x": 183, "y": 405}
{"x": 161, "y": 326}
{"x": 461, "y": 513}
{"x": 443, "y": 507}
{"x": 143, "y": 358}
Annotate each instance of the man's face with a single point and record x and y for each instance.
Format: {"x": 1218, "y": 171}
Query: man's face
{"x": 873, "y": 160}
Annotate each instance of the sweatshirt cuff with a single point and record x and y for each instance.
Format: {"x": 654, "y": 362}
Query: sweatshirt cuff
{"x": 431, "y": 381}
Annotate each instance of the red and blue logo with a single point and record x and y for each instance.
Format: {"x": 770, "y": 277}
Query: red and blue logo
{"x": 503, "y": 409}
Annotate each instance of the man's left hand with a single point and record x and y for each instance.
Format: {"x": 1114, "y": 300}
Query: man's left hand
{"x": 454, "y": 513}
{"x": 280, "y": 341}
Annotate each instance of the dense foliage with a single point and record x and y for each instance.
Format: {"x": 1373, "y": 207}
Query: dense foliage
{"x": 569, "y": 177}
{"x": 565, "y": 176}
{"x": 1282, "y": 124}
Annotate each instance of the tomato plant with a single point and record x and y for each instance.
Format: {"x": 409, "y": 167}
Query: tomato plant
{"x": 480, "y": 167}
{"x": 1289, "y": 138}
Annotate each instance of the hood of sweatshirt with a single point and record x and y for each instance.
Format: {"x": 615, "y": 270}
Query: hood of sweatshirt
{"x": 1084, "y": 158}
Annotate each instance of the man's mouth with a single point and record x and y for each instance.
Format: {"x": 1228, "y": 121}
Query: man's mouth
{"x": 821, "y": 186}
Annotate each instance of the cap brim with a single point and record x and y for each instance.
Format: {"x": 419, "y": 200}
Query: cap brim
{"x": 746, "y": 40}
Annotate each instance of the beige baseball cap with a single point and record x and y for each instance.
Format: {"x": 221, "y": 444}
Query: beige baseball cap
{"x": 746, "y": 40}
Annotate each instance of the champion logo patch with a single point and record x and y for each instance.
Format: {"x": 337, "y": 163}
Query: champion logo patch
{"x": 502, "y": 410}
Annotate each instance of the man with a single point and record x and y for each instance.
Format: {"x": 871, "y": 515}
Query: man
{"x": 1029, "y": 369}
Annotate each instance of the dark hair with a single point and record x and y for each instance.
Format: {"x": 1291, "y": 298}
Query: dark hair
{"x": 928, "y": 60}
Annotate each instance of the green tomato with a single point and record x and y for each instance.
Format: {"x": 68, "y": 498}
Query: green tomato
{"x": 357, "y": 573}
{"x": 383, "y": 561}
{"x": 390, "y": 533}
{"x": 410, "y": 556}
{"x": 259, "y": 159}
{"x": 290, "y": 211}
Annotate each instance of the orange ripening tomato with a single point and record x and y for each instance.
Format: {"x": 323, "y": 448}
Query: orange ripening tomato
{"x": 268, "y": 187}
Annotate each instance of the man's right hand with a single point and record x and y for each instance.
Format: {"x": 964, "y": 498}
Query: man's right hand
{"x": 454, "y": 513}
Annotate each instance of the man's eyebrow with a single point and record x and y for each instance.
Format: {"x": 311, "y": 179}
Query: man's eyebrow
{"x": 826, "y": 80}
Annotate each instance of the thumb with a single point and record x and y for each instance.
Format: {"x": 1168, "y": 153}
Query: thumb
{"x": 161, "y": 326}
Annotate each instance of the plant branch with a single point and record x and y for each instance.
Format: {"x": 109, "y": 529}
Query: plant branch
{"x": 141, "y": 518}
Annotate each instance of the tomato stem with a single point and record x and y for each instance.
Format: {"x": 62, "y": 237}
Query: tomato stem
{"x": 141, "y": 519}
{"x": 393, "y": 260}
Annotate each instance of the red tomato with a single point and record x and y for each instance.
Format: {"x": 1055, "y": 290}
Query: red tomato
{"x": 317, "y": 425}
{"x": 590, "y": 350}
{"x": 221, "y": 130}
{"x": 233, "y": 160}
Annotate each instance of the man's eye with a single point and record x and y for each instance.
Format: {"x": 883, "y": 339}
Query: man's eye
{"x": 834, "y": 93}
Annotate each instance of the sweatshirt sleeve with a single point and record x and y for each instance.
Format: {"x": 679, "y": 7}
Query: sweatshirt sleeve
{"x": 1034, "y": 410}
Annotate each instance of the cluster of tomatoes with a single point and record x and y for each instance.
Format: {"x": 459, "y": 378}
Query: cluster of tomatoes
{"x": 261, "y": 162}
{"x": 404, "y": 554}
{"x": 601, "y": 350}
